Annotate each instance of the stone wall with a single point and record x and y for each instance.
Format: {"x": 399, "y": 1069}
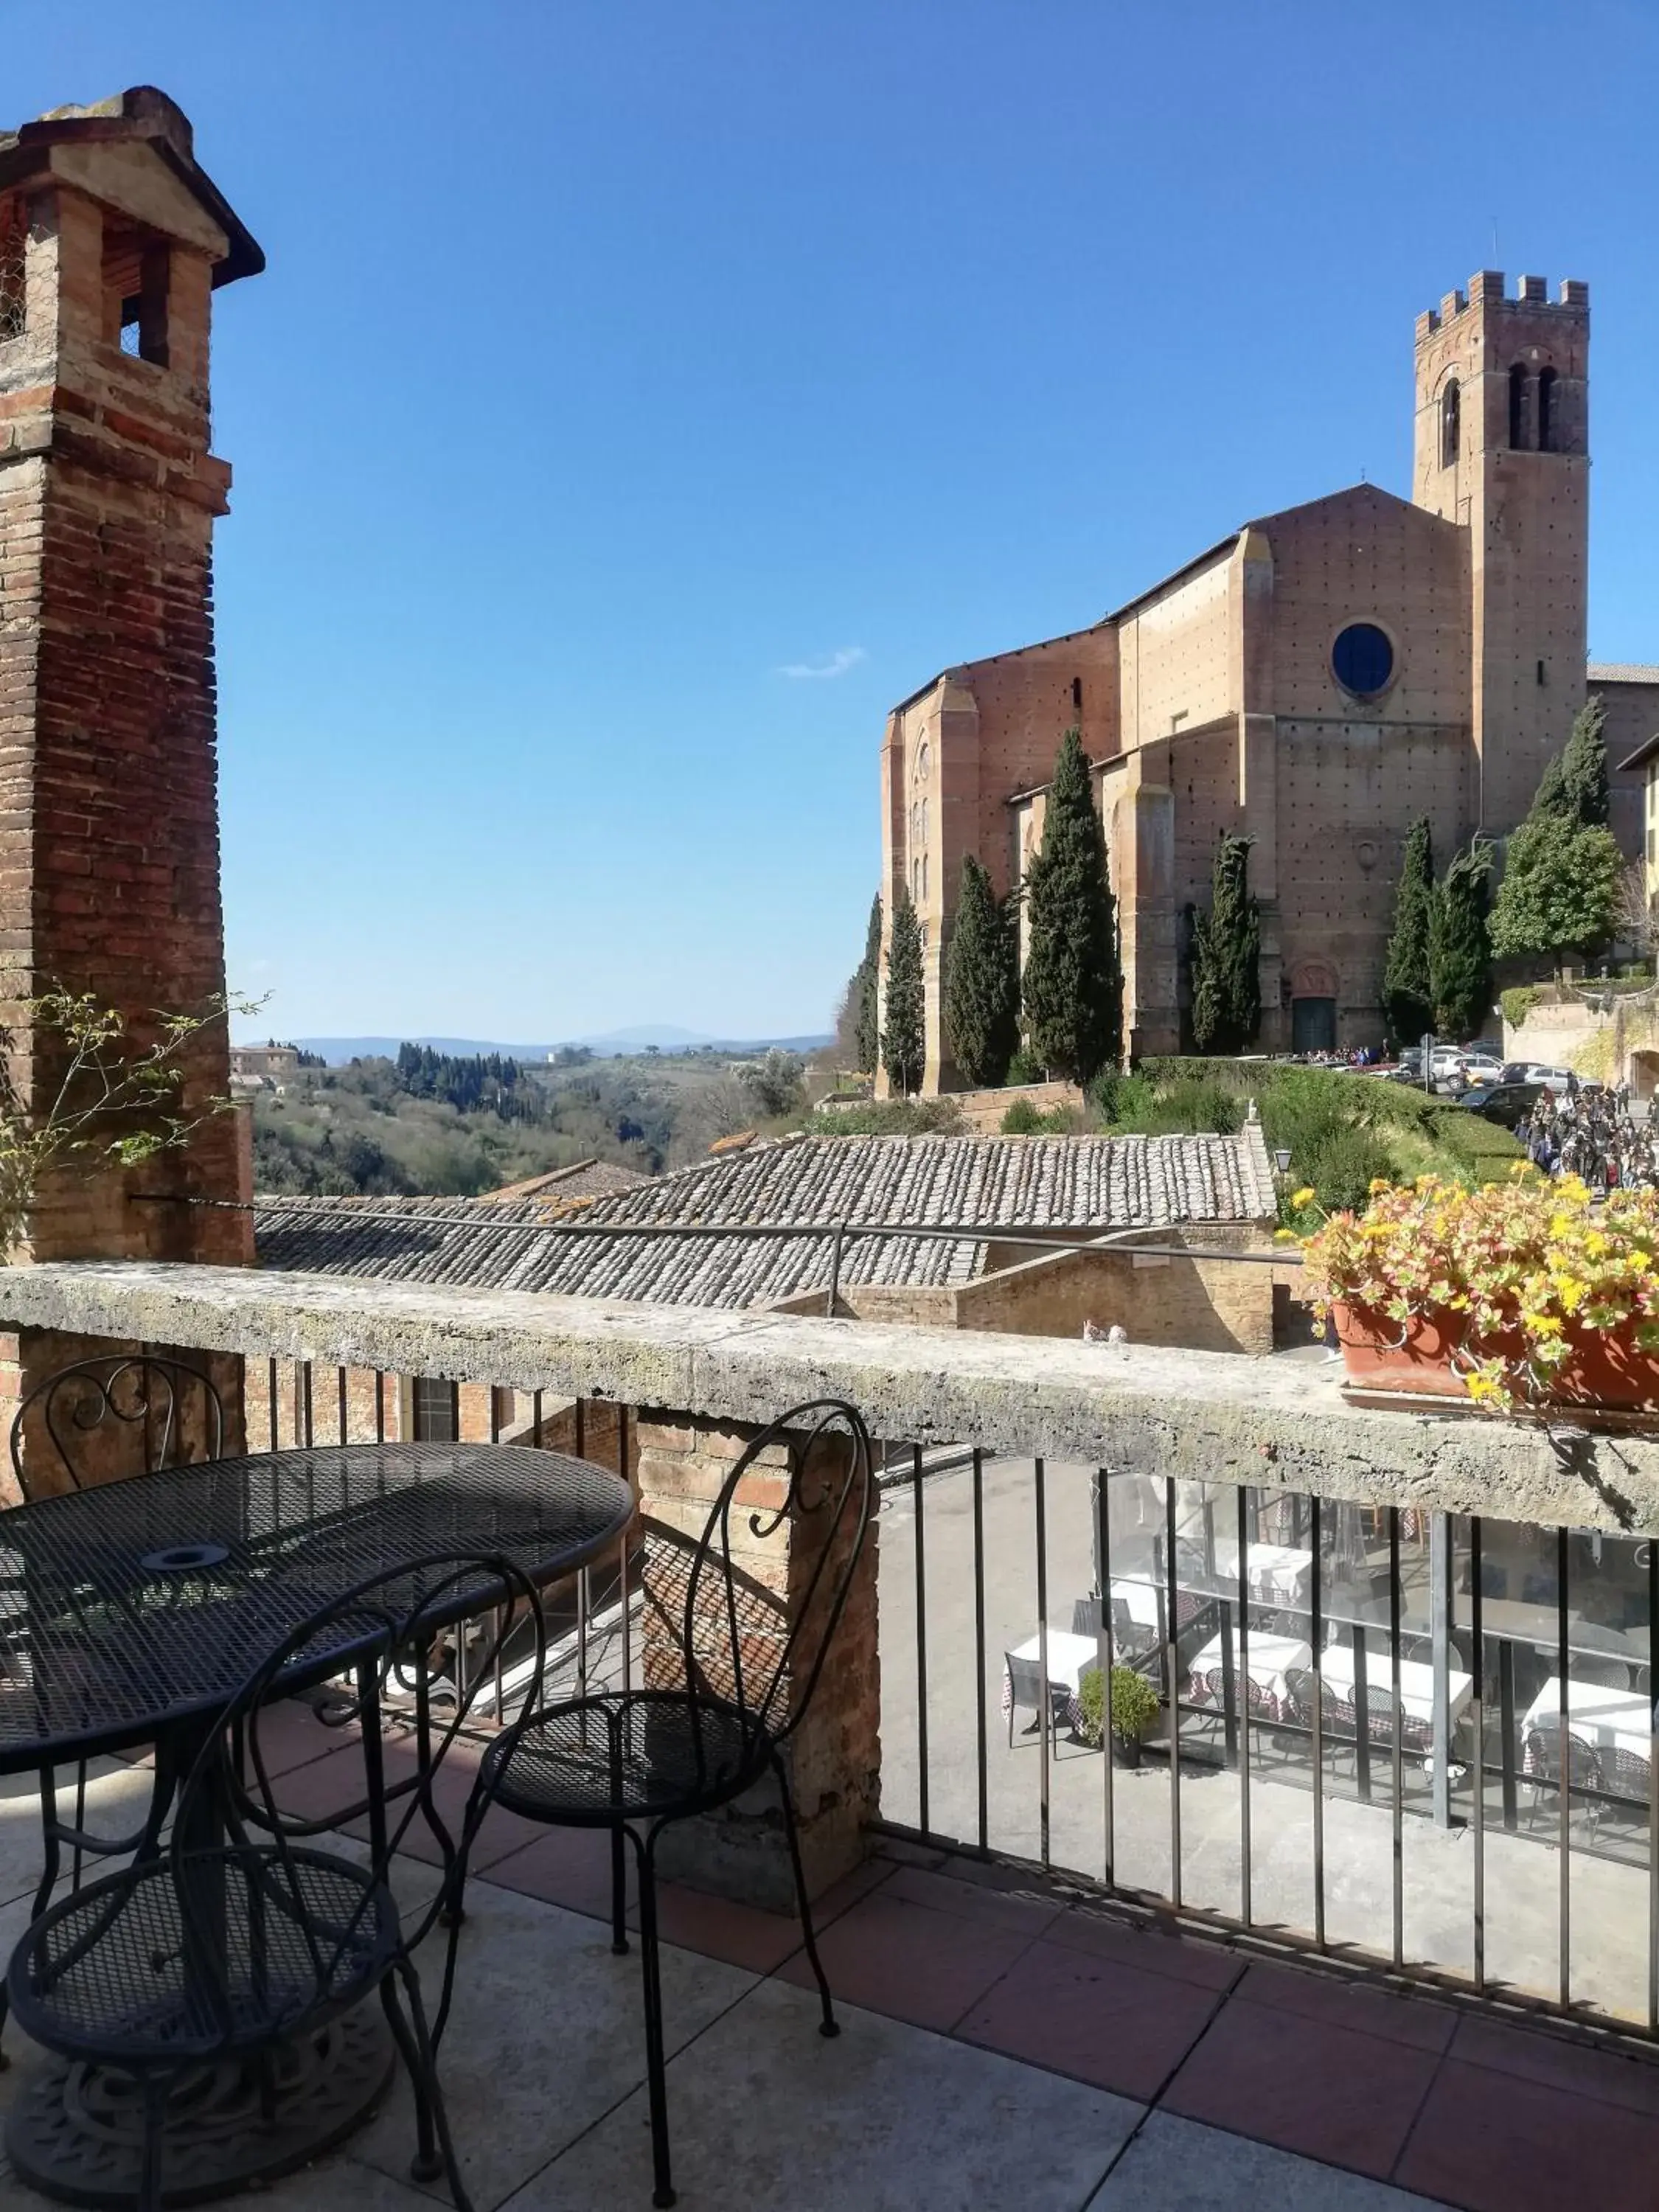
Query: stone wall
{"x": 1210, "y": 1305}
{"x": 982, "y": 1111}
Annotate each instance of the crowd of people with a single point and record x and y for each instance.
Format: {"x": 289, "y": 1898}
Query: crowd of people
{"x": 1595, "y": 1134}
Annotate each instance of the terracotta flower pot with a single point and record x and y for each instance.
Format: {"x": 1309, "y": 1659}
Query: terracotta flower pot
{"x": 1602, "y": 1367}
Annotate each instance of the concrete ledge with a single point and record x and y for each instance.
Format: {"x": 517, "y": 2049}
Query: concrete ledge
{"x": 1201, "y": 1416}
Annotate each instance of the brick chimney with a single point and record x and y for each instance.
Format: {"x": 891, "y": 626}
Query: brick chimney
{"x": 112, "y": 243}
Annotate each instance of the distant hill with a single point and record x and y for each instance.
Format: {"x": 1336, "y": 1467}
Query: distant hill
{"x": 613, "y": 1044}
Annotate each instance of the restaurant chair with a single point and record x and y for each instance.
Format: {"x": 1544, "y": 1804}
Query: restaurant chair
{"x": 635, "y": 1761}
{"x": 1022, "y": 1685}
{"x": 152, "y": 1397}
{"x": 199, "y": 1963}
{"x": 1416, "y": 1734}
{"x": 1540, "y": 1763}
{"x": 1132, "y": 1640}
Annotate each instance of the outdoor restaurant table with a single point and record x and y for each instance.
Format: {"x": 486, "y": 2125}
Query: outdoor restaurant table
{"x": 1277, "y": 1574}
{"x": 1272, "y": 1658}
{"x": 1070, "y": 1658}
{"x": 1605, "y": 1719}
{"x": 1416, "y": 1683}
{"x": 134, "y": 1611}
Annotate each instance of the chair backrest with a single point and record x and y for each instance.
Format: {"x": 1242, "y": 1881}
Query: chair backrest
{"x": 361, "y": 1634}
{"x": 1603, "y": 1674}
{"x": 1085, "y": 1616}
{"x": 1301, "y": 1695}
{"x": 747, "y": 1650}
{"x": 1025, "y": 1682}
{"x": 1540, "y": 1759}
{"x": 172, "y": 1409}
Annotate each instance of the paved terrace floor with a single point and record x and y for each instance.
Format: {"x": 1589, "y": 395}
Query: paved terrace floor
{"x": 1005, "y": 2047}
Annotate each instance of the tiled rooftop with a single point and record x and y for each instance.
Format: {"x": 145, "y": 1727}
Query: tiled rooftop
{"x": 1001, "y": 1182}
{"x": 582, "y": 1179}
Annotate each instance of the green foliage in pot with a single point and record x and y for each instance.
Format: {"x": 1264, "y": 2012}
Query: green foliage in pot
{"x": 1135, "y": 1706}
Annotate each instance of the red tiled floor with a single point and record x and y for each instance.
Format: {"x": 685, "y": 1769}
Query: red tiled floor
{"x": 1205, "y": 1966}
{"x": 744, "y": 1936}
{"x": 996, "y": 1905}
{"x": 564, "y": 1866}
{"x": 1093, "y": 2017}
{"x": 1490, "y": 2143}
{"x": 910, "y": 1961}
{"x": 1535, "y": 2055}
{"x": 290, "y": 1734}
{"x": 1322, "y": 1998}
{"x": 1307, "y": 2084}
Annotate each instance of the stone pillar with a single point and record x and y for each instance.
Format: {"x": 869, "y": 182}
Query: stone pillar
{"x": 834, "y": 1756}
{"x": 109, "y": 851}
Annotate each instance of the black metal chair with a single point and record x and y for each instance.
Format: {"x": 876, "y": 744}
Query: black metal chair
{"x": 1416, "y": 1734}
{"x": 143, "y": 1392}
{"x": 240, "y": 1936}
{"x": 153, "y": 1397}
{"x": 635, "y": 1761}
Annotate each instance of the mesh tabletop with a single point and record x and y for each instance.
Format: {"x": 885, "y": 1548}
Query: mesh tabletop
{"x": 137, "y": 1605}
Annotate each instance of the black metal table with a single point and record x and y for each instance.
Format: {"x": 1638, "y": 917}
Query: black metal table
{"x": 134, "y": 1612}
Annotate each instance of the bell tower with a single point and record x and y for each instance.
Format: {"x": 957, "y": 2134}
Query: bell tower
{"x": 1502, "y": 448}
{"x": 113, "y": 243}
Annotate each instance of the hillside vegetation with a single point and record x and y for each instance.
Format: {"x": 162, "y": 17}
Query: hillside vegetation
{"x": 435, "y": 1125}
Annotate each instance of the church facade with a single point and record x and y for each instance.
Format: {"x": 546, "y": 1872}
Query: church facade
{"x": 1316, "y": 680}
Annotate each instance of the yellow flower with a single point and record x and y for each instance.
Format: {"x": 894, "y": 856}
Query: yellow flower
{"x": 1379, "y": 1183}
{"x": 1303, "y": 1197}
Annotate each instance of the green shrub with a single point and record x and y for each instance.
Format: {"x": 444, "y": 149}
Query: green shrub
{"x": 1341, "y": 1167}
{"x": 1023, "y": 1119}
{"x": 1022, "y": 1069}
{"x": 1518, "y": 1002}
{"x": 1135, "y": 1706}
{"x": 890, "y": 1117}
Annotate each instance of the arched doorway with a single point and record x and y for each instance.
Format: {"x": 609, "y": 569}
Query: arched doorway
{"x": 1313, "y": 1006}
{"x": 1643, "y": 1074}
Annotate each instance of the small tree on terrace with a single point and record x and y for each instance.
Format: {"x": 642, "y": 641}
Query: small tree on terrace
{"x": 1073, "y": 985}
{"x": 903, "y": 1044}
{"x": 1226, "y": 956}
{"x": 982, "y": 981}
{"x": 1407, "y": 996}
{"x": 1460, "y": 958}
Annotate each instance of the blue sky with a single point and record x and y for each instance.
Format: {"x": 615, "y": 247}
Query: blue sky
{"x": 641, "y": 397}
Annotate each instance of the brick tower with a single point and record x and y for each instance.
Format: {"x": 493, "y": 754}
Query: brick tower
{"x": 1502, "y": 448}
{"x": 112, "y": 243}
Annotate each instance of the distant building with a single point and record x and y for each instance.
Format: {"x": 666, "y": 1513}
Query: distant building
{"x": 1316, "y": 680}
{"x": 264, "y": 1063}
{"x": 1645, "y": 763}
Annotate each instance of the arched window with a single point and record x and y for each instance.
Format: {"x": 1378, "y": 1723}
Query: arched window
{"x": 1547, "y": 410}
{"x": 1518, "y": 408}
{"x": 1448, "y": 424}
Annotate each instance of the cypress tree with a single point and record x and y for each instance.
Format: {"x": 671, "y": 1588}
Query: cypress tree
{"x": 1226, "y": 955}
{"x": 981, "y": 980}
{"x": 1407, "y": 999}
{"x": 903, "y": 1044}
{"x": 1575, "y": 784}
{"x": 1073, "y": 985}
{"x": 1460, "y": 957}
{"x": 866, "y": 993}
{"x": 1559, "y": 891}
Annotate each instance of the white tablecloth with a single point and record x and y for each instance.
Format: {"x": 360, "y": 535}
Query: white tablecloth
{"x": 1416, "y": 1682}
{"x": 1607, "y": 1720}
{"x": 1272, "y": 1658}
{"x": 1279, "y": 1574}
{"x": 1141, "y": 1600}
{"x": 1069, "y": 1658}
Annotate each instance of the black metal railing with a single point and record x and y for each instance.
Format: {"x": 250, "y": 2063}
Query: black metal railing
{"x": 1360, "y": 1716}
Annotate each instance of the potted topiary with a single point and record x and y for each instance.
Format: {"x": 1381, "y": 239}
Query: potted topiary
{"x": 1135, "y": 1709}
{"x": 1523, "y": 1294}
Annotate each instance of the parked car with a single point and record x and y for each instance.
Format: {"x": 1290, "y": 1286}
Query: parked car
{"x": 1558, "y": 1080}
{"x": 1480, "y": 1070}
{"x": 1506, "y": 1104}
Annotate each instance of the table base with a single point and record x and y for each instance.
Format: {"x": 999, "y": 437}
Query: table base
{"x": 74, "y": 2131}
